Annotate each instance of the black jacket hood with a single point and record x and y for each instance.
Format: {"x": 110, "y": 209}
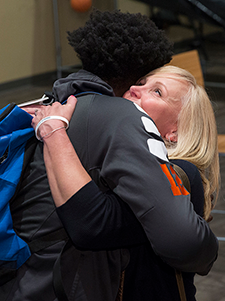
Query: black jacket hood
{"x": 81, "y": 81}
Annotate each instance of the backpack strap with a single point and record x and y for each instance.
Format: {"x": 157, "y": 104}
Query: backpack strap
{"x": 57, "y": 275}
{"x": 180, "y": 283}
{"x": 47, "y": 240}
{"x": 121, "y": 287}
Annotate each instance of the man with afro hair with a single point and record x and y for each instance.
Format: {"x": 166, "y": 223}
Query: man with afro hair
{"x": 113, "y": 139}
{"x": 120, "y": 48}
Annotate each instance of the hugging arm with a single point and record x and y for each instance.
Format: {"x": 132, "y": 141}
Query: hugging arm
{"x": 65, "y": 172}
{"x": 102, "y": 220}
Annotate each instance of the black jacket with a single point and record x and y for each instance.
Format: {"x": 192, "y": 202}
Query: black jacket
{"x": 121, "y": 148}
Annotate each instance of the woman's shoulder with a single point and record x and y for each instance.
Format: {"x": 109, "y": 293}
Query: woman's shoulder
{"x": 197, "y": 191}
{"x": 190, "y": 169}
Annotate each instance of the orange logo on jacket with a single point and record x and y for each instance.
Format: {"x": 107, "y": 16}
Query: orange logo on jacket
{"x": 177, "y": 186}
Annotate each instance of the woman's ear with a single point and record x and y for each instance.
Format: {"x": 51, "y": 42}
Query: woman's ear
{"x": 172, "y": 136}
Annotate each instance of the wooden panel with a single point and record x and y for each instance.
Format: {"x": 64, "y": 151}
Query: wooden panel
{"x": 221, "y": 143}
{"x": 190, "y": 61}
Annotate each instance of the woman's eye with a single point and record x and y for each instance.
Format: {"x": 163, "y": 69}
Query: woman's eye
{"x": 158, "y": 92}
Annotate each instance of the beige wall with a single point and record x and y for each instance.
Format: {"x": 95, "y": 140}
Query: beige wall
{"x": 27, "y": 41}
{"x": 27, "y": 34}
{"x": 133, "y": 6}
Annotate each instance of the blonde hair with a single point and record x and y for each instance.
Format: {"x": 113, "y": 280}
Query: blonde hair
{"x": 197, "y": 135}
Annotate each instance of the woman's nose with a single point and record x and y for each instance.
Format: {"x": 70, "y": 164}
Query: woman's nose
{"x": 135, "y": 91}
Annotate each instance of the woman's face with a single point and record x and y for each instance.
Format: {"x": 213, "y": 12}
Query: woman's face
{"x": 160, "y": 97}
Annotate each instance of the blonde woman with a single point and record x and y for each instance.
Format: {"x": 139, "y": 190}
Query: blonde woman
{"x": 197, "y": 132}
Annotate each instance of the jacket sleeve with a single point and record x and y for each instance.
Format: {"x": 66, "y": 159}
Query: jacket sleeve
{"x": 109, "y": 224}
{"x": 122, "y": 146}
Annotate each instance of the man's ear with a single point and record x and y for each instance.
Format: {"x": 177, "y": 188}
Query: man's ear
{"x": 172, "y": 136}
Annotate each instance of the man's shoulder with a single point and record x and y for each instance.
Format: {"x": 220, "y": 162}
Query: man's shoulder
{"x": 101, "y": 106}
{"x": 118, "y": 105}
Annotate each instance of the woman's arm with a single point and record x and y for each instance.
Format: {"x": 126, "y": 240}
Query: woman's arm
{"x": 100, "y": 221}
{"x": 66, "y": 174}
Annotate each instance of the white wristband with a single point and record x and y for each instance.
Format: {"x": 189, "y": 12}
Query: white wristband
{"x": 48, "y": 118}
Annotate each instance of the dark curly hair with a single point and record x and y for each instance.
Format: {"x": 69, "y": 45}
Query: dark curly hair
{"x": 120, "y": 47}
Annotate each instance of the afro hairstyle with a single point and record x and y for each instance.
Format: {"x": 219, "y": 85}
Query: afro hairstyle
{"x": 120, "y": 47}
